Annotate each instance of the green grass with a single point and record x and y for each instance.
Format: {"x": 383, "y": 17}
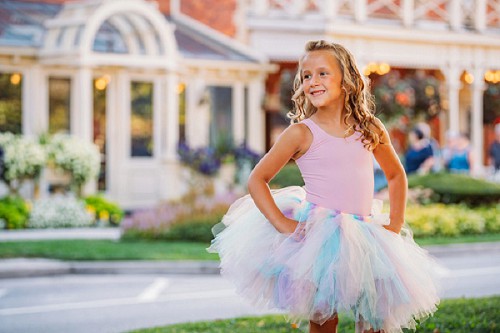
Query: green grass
{"x": 481, "y": 315}
{"x": 458, "y": 239}
{"x": 106, "y": 250}
{"x": 152, "y": 250}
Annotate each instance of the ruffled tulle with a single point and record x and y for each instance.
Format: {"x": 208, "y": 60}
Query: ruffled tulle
{"x": 333, "y": 263}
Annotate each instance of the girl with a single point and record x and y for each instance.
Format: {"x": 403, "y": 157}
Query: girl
{"x": 325, "y": 249}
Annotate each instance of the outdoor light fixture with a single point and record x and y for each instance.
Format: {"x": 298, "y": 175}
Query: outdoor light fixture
{"x": 15, "y": 79}
{"x": 102, "y": 82}
{"x": 468, "y": 78}
{"x": 492, "y": 76}
{"x": 377, "y": 68}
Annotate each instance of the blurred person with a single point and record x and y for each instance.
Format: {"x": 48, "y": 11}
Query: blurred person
{"x": 458, "y": 157}
{"x": 494, "y": 153}
{"x": 419, "y": 157}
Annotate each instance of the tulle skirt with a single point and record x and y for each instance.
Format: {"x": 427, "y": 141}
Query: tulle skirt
{"x": 333, "y": 263}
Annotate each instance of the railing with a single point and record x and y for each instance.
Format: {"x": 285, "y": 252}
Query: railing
{"x": 476, "y": 15}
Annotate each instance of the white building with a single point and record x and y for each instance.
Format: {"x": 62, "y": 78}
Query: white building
{"x": 123, "y": 75}
{"x": 460, "y": 39}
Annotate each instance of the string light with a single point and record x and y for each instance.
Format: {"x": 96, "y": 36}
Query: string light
{"x": 102, "y": 82}
{"x": 468, "y": 78}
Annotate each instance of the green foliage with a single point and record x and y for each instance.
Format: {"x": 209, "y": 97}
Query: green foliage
{"x": 83, "y": 249}
{"x": 288, "y": 176}
{"x": 14, "y": 212}
{"x": 480, "y": 315}
{"x": 456, "y": 188}
{"x": 104, "y": 210}
{"x": 451, "y": 220}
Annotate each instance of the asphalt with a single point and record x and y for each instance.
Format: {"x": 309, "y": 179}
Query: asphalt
{"x": 29, "y": 267}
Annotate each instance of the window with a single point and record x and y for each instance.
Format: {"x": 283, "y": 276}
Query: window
{"x": 141, "y": 122}
{"x": 10, "y": 103}
{"x": 221, "y": 122}
{"x": 99, "y": 121}
{"x": 181, "y": 90}
{"x": 59, "y": 105}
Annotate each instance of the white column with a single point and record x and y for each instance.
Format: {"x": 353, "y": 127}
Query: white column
{"x": 35, "y": 102}
{"x": 480, "y": 15}
{"x": 455, "y": 13}
{"x": 197, "y": 113}
{"x": 408, "y": 12}
{"x": 81, "y": 112}
{"x": 452, "y": 74}
{"x": 238, "y": 113}
{"x": 256, "y": 119}
{"x": 360, "y": 11}
{"x": 478, "y": 87}
{"x": 330, "y": 9}
{"x": 172, "y": 117}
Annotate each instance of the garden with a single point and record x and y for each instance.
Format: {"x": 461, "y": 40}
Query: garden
{"x": 70, "y": 163}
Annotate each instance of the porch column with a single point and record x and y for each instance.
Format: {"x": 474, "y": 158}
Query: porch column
{"x": 35, "y": 102}
{"x": 256, "y": 118}
{"x": 455, "y": 13}
{"x": 478, "y": 87}
{"x": 172, "y": 117}
{"x": 480, "y": 15}
{"x": 81, "y": 113}
{"x": 82, "y": 104}
{"x": 197, "y": 113}
{"x": 239, "y": 113}
{"x": 452, "y": 74}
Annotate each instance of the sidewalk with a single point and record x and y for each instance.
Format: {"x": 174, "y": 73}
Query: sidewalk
{"x": 24, "y": 267}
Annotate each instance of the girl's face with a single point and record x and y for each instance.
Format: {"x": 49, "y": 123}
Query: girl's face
{"x": 322, "y": 79}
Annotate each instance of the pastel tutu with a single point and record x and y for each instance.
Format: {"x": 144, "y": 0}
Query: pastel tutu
{"x": 333, "y": 263}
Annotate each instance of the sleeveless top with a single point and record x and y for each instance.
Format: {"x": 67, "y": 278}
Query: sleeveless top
{"x": 337, "y": 172}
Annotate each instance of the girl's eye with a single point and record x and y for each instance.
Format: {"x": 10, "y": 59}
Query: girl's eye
{"x": 323, "y": 73}
{"x": 307, "y": 76}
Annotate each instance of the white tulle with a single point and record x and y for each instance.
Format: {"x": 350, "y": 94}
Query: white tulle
{"x": 333, "y": 263}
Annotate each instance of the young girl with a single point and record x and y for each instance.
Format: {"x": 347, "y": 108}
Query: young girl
{"x": 326, "y": 249}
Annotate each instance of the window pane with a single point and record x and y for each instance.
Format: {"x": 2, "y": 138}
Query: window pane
{"x": 221, "y": 123}
{"x": 141, "y": 130}
{"x": 59, "y": 105}
{"x": 100, "y": 127}
{"x": 181, "y": 90}
{"x": 10, "y": 103}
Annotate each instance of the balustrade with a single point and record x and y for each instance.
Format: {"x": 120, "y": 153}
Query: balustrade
{"x": 456, "y": 15}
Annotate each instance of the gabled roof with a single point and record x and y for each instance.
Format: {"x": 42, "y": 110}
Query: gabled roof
{"x": 22, "y": 24}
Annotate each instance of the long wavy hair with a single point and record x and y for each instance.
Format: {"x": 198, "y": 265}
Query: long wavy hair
{"x": 358, "y": 101}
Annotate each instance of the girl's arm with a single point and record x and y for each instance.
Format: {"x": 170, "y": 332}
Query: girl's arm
{"x": 396, "y": 177}
{"x": 292, "y": 143}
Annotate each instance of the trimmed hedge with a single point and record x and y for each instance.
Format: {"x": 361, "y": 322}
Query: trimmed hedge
{"x": 289, "y": 175}
{"x": 457, "y": 188}
{"x": 452, "y": 220}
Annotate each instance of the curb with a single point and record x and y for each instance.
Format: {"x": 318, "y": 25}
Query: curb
{"x": 30, "y": 267}
{"x": 24, "y": 267}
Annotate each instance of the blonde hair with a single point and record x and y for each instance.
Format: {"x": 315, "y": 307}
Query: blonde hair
{"x": 358, "y": 101}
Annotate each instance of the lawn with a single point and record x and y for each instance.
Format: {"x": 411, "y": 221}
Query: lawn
{"x": 149, "y": 250}
{"x": 480, "y": 315}
{"x": 106, "y": 250}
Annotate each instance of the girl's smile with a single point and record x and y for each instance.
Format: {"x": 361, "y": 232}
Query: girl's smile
{"x": 322, "y": 79}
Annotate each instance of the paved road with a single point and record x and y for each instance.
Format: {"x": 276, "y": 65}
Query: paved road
{"x": 118, "y": 303}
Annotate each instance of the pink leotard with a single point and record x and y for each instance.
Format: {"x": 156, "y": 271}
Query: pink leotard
{"x": 338, "y": 172}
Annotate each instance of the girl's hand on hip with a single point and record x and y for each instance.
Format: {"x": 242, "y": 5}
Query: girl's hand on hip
{"x": 286, "y": 225}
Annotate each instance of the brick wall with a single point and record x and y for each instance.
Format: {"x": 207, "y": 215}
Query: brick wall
{"x": 217, "y": 14}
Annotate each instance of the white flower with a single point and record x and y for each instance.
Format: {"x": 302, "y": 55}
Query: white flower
{"x": 59, "y": 212}
{"x": 23, "y": 157}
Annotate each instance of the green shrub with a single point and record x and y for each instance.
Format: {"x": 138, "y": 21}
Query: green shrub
{"x": 288, "y": 176}
{"x": 14, "y": 212}
{"x": 456, "y": 188}
{"x": 451, "y": 220}
{"x": 104, "y": 210}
